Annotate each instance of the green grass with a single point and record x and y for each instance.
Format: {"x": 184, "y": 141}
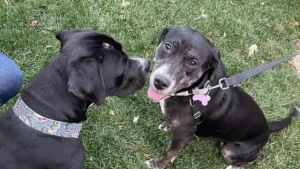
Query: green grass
{"x": 138, "y": 27}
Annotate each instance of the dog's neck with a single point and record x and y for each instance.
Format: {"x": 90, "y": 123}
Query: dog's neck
{"x": 47, "y": 94}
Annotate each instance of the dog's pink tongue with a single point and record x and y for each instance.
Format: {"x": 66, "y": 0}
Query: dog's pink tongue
{"x": 155, "y": 95}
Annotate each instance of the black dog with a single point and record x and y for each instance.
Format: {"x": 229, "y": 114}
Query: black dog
{"x": 89, "y": 67}
{"x": 185, "y": 59}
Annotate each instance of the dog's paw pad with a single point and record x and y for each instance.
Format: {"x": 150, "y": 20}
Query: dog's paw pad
{"x": 163, "y": 126}
{"x": 152, "y": 163}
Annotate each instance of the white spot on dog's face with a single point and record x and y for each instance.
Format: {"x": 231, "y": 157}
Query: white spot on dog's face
{"x": 156, "y": 51}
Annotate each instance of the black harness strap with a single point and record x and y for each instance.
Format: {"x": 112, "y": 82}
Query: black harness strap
{"x": 196, "y": 113}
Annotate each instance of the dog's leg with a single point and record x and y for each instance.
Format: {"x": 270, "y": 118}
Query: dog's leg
{"x": 239, "y": 155}
{"x": 181, "y": 137}
{"x": 164, "y": 125}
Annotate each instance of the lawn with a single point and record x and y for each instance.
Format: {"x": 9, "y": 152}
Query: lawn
{"x": 114, "y": 141}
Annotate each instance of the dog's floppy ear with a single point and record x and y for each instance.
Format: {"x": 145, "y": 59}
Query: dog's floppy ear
{"x": 85, "y": 80}
{"x": 163, "y": 35}
{"x": 64, "y": 35}
{"x": 103, "y": 38}
{"x": 214, "y": 62}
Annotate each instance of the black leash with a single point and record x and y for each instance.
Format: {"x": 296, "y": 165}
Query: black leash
{"x": 234, "y": 80}
{"x": 225, "y": 83}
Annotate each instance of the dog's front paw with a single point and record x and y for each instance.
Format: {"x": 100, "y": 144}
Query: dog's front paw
{"x": 152, "y": 163}
{"x": 164, "y": 126}
{"x": 234, "y": 167}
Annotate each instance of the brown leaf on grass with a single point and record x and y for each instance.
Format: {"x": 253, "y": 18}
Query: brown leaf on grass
{"x": 48, "y": 47}
{"x": 35, "y": 23}
{"x": 238, "y": 52}
{"x": 111, "y": 112}
{"x": 272, "y": 52}
{"x": 225, "y": 11}
{"x": 296, "y": 24}
{"x": 252, "y": 49}
{"x": 293, "y": 96}
{"x": 292, "y": 64}
{"x": 125, "y": 3}
{"x": 121, "y": 127}
{"x": 44, "y": 32}
{"x": 147, "y": 155}
{"x": 91, "y": 159}
{"x": 272, "y": 8}
{"x": 211, "y": 40}
{"x": 295, "y": 63}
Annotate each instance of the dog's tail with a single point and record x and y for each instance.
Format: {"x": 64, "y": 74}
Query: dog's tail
{"x": 279, "y": 125}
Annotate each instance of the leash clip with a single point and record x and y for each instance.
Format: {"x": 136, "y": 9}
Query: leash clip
{"x": 221, "y": 84}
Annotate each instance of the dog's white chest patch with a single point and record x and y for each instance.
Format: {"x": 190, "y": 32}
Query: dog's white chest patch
{"x": 162, "y": 106}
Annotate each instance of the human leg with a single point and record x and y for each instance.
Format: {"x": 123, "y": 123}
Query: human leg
{"x": 11, "y": 79}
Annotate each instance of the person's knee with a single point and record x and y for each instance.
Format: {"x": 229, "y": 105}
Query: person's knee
{"x": 11, "y": 79}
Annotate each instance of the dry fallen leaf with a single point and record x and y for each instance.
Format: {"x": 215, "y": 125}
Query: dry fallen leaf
{"x": 120, "y": 127}
{"x": 125, "y": 3}
{"x": 135, "y": 119}
{"x": 35, "y": 23}
{"x": 272, "y": 8}
{"x": 111, "y": 112}
{"x": 225, "y": 11}
{"x": 204, "y": 15}
{"x": 147, "y": 155}
{"x": 48, "y": 47}
{"x": 292, "y": 64}
{"x": 293, "y": 96}
{"x": 237, "y": 52}
{"x": 296, "y": 24}
{"x": 295, "y": 63}
{"x": 44, "y": 32}
{"x": 211, "y": 40}
{"x": 224, "y": 35}
{"x": 91, "y": 158}
{"x": 252, "y": 49}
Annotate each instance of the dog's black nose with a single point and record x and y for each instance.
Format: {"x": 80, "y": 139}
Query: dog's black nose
{"x": 160, "y": 82}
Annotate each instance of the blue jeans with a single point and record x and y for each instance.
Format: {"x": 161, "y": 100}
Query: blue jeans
{"x": 11, "y": 79}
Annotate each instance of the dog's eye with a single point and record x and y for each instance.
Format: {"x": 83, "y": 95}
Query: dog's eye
{"x": 192, "y": 63}
{"x": 168, "y": 46}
